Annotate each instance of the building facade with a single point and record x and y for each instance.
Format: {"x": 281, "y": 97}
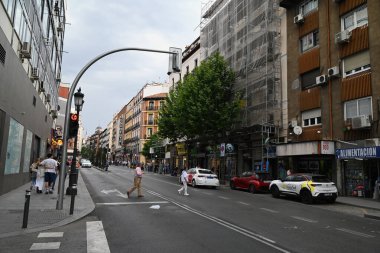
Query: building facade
{"x": 248, "y": 35}
{"x": 31, "y": 45}
{"x": 333, "y": 72}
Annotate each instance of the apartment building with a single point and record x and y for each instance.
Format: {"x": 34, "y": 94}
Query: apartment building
{"x": 333, "y": 50}
{"x": 248, "y": 35}
{"x": 31, "y": 45}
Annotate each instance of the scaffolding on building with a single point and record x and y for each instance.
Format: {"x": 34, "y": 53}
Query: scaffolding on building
{"x": 247, "y": 34}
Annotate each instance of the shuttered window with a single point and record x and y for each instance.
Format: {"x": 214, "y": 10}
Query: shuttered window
{"x": 356, "y": 63}
{"x": 311, "y": 117}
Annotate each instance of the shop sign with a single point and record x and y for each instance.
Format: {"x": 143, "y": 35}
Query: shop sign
{"x": 222, "y": 149}
{"x": 327, "y": 147}
{"x": 362, "y": 152}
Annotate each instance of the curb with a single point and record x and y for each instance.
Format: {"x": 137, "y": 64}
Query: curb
{"x": 371, "y": 216}
{"x": 357, "y": 205}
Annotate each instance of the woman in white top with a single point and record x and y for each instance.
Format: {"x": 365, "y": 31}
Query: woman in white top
{"x": 184, "y": 180}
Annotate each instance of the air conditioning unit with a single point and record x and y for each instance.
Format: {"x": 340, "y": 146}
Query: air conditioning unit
{"x": 26, "y": 50}
{"x": 321, "y": 79}
{"x": 333, "y": 72}
{"x": 361, "y": 121}
{"x": 58, "y": 78}
{"x": 60, "y": 27}
{"x": 54, "y": 114}
{"x": 299, "y": 19}
{"x": 48, "y": 97}
{"x": 342, "y": 37}
{"x": 41, "y": 87}
{"x": 35, "y": 74}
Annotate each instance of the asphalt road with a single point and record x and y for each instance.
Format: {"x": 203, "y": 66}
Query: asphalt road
{"x": 209, "y": 220}
{"x": 220, "y": 220}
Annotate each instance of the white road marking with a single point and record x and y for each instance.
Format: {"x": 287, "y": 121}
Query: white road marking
{"x": 304, "y": 219}
{"x": 226, "y": 224}
{"x": 45, "y": 246}
{"x": 355, "y": 232}
{"x": 223, "y": 197}
{"x": 243, "y": 203}
{"x": 52, "y": 234}
{"x": 130, "y": 203}
{"x": 269, "y": 210}
{"x": 96, "y": 238}
{"x": 125, "y": 196}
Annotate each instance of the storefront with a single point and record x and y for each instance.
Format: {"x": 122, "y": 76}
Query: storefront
{"x": 360, "y": 169}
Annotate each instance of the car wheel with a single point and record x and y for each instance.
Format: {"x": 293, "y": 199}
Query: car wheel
{"x": 306, "y": 197}
{"x": 275, "y": 191}
{"x": 193, "y": 183}
{"x": 232, "y": 185}
{"x": 252, "y": 188}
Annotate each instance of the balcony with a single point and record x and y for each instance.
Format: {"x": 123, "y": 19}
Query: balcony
{"x": 150, "y": 122}
{"x": 152, "y": 108}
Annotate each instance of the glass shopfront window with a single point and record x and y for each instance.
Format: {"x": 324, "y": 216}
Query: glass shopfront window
{"x": 14, "y": 147}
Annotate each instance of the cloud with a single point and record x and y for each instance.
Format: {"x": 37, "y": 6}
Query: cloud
{"x": 98, "y": 26}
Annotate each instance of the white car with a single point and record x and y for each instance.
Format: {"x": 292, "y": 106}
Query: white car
{"x": 86, "y": 163}
{"x": 202, "y": 177}
{"x": 307, "y": 187}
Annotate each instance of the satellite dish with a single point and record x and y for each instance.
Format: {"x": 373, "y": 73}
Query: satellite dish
{"x": 297, "y": 130}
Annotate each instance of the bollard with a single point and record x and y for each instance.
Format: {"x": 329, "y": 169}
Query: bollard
{"x": 73, "y": 193}
{"x": 26, "y": 209}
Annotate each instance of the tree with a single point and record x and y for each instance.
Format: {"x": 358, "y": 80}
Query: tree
{"x": 153, "y": 142}
{"x": 203, "y": 105}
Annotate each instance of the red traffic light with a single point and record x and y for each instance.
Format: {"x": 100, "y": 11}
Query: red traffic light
{"x": 74, "y": 117}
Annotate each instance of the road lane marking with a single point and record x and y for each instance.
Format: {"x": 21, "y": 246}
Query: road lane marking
{"x": 45, "y": 246}
{"x": 243, "y": 203}
{"x": 51, "y": 234}
{"x": 226, "y": 224}
{"x": 269, "y": 210}
{"x": 96, "y": 238}
{"x": 355, "y": 232}
{"x": 304, "y": 219}
{"x": 130, "y": 203}
{"x": 223, "y": 197}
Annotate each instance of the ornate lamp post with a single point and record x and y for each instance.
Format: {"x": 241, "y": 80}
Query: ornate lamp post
{"x": 78, "y": 101}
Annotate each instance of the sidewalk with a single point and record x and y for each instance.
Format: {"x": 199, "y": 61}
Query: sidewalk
{"x": 42, "y": 209}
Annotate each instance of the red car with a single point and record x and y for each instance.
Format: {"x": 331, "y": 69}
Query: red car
{"x": 252, "y": 181}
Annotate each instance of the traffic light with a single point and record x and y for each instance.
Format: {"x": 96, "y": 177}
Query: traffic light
{"x": 74, "y": 124}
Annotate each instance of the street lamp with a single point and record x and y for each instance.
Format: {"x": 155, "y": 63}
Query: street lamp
{"x": 78, "y": 101}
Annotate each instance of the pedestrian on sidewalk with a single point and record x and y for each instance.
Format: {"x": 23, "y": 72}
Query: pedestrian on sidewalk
{"x": 40, "y": 179}
{"x": 137, "y": 182}
{"x": 33, "y": 173}
{"x": 50, "y": 172}
{"x": 184, "y": 180}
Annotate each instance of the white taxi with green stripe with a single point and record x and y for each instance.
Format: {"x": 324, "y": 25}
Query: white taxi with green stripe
{"x": 307, "y": 187}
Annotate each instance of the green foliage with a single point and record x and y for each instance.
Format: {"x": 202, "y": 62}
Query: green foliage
{"x": 154, "y": 141}
{"x": 203, "y": 105}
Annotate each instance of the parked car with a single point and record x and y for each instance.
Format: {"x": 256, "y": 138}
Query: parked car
{"x": 202, "y": 177}
{"x": 308, "y": 187}
{"x": 252, "y": 181}
{"x": 86, "y": 163}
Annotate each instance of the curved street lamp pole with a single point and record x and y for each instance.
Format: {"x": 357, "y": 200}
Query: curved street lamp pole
{"x": 68, "y": 106}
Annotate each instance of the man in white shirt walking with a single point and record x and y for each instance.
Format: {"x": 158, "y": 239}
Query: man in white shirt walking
{"x": 184, "y": 180}
{"x": 50, "y": 172}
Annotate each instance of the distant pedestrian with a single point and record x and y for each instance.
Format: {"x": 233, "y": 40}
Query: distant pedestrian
{"x": 40, "y": 179}
{"x": 137, "y": 181}
{"x": 184, "y": 180}
{"x": 33, "y": 173}
{"x": 289, "y": 172}
{"x": 50, "y": 172}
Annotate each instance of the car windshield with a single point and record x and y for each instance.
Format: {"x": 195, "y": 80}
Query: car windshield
{"x": 320, "y": 179}
{"x": 205, "y": 172}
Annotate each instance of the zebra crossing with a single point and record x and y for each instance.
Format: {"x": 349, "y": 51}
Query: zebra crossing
{"x": 96, "y": 239}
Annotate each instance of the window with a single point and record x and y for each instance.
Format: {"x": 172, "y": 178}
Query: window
{"x": 308, "y": 78}
{"x": 187, "y": 70}
{"x": 311, "y": 117}
{"x": 149, "y": 132}
{"x": 357, "y": 107}
{"x": 196, "y": 62}
{"x": 356, "y": 18}
{"x": 150, "y": 119}
{"x": 151, "y": 105}
{"x": 356, "y": 63}
{"x": 309, "y": 41}
{"x": 308, "y": 6}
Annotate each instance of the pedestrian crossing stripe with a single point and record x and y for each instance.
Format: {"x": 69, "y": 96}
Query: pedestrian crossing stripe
{"x": 51, "y": 234}
{"x": 45, "y": 246}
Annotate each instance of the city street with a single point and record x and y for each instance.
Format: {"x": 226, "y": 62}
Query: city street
{"x": 207, "y": 220}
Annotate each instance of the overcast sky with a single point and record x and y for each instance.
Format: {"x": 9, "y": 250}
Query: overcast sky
{"x": 98, "y": 26}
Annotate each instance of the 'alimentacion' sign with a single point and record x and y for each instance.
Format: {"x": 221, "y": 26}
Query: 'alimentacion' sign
{"x": 362, "y": 152}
